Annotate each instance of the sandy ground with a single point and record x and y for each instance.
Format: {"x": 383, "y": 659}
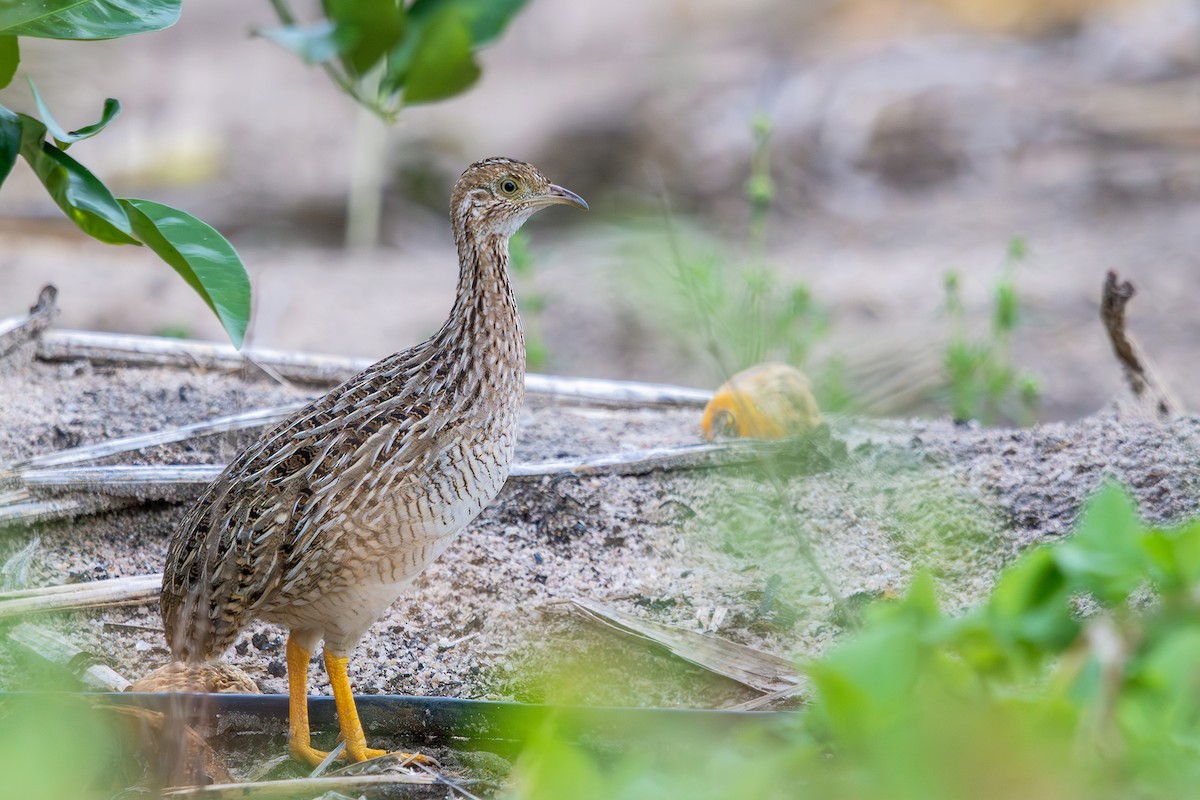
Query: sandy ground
{"x": 718, "y": 550}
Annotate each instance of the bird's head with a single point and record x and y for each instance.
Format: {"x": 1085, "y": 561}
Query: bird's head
{"x": 497, "y": 195}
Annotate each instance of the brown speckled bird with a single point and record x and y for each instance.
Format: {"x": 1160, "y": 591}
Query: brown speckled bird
{"x": 321, "y": 523}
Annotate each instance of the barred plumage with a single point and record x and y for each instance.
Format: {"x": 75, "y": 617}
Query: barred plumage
{"x": 324, "y": 520}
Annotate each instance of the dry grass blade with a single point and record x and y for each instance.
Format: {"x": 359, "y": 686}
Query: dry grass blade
{"x": 328, "y": 370}
{"x": 14, "y": 573}
{"x": 57, "y": 650}
{"x": 754, "y": 668}
{"x": 297, "y": 787}
{"x": 769, "y": 699}
{"x": 117, "y": 591}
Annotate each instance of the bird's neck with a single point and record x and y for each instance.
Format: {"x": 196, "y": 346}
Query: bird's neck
{"x": 484, "y": 322}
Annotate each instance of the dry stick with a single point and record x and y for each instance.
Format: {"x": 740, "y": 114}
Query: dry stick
{"x": 157, "y": 351}
{"x": 746, "y": 665}
{"x": 51, "y": 647}
{"x": 144, "y": 482}
{"x": 15, "y": 331}
{"x": 23, "y": 512}
{"x": 235, "y": 422}
{"x": 327, "y": 370}
{"x": 1139, "y": 372}
{"x": 75, "y": 455}
{"x": 116, "y": 591}
{"x": 167, "y": 481}
{"x": 296, "y": 787}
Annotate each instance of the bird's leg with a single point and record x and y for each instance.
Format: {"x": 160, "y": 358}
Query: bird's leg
{"x": 352, "y": 730}
{"x": 299, "y": 741}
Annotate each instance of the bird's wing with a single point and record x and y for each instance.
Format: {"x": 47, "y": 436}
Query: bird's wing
{"x": 275, "y": 509}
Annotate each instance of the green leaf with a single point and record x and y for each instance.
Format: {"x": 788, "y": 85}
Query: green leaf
{"x": 10, "y": 57}
{"x": 1175, "y": 556}
{"x": 486, "y": 19}
{"x": 81, "y": 196}
{"x": 858, "y": 699}
{"x": 1030, "y": 606}
{"x": 371, "y": 27}
{"x": 201, "y": 256}
{"x": 10, "y": 141}
{"x": 86, "y": 19}
{"x": 442, "y": 64}
{"x": 62, "y": 137}
{"x": 313, "y": 43}
{"x": 1105, "y": 556}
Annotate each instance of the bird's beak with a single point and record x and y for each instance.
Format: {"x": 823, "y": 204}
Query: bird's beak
{"x": 557, "y": 195}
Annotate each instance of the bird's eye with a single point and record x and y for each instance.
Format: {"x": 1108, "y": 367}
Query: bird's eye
{"x": 508, "y": 186}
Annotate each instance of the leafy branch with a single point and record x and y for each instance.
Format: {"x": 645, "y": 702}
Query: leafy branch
{"x": 386, "y": 55}
{"x": 382, "y": 53}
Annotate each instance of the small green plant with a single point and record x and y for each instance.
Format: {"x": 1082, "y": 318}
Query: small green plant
{"x": 738, "y": 311}
{"x": 1076, "y": 678}
{"x": 532, "y": 301}
{"x": 174, "y": 331}
{"x": 983, "y": 382}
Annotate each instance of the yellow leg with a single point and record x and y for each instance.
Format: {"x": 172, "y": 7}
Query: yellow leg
{"x": 299, "y": 741}
{"x": 352, "y": 730}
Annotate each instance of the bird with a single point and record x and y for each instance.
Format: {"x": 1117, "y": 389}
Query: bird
{"x": 766, "y": 401}
{"x": 321, "y": 523}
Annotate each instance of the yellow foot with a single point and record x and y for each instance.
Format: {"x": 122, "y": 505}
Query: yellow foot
{"x": 307, "y": 754}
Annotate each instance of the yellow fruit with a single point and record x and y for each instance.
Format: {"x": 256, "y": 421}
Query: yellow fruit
{"x": 767, "y": 401}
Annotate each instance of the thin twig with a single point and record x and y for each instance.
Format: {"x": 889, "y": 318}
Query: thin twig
{"x": 325, "y": 370}
{"x": 1139, "y": 372}
{"x": 15, "y": 331}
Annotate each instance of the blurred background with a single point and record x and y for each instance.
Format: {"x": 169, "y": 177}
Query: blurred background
{"x": 857, "y": 186}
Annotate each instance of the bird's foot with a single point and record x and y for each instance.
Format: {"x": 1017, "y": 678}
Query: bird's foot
{"x": 307, "y": 754}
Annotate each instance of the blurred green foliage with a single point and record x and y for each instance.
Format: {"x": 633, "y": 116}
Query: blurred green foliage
{"x": 57, "y": 748}
{"x": 387, "y": 53}
{"x": 983, "y": 382}
{"x": 200, "y": 255}
{"x": 531, "y": 300}
{"x": 1076, "y": 678}
{"x": 382, "y": 53}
